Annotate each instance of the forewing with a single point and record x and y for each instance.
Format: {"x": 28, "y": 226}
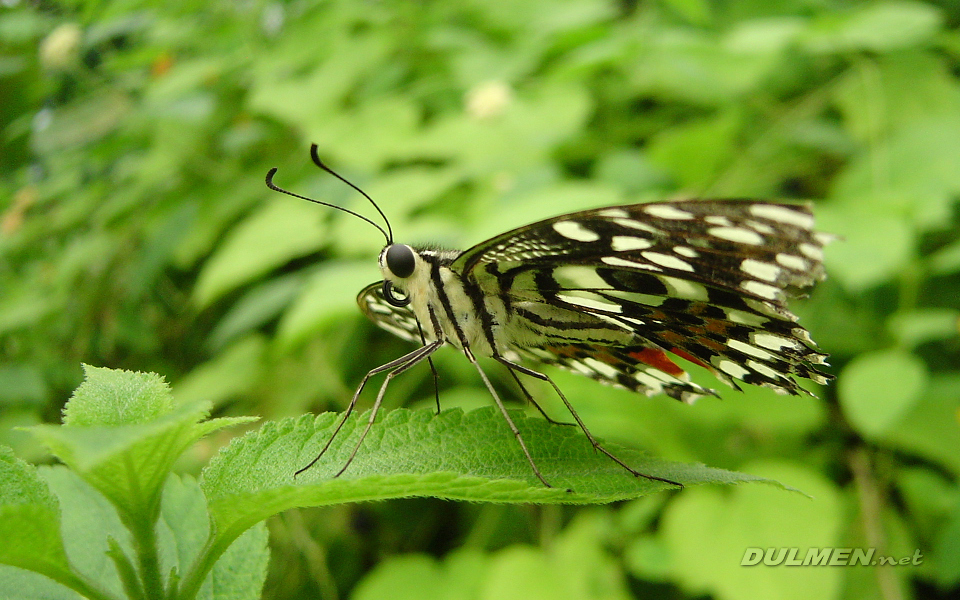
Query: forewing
{"x": 705, "y": 280}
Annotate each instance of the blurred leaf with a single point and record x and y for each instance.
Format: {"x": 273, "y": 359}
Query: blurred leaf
{"x": 284, "y": 229}
{"x": 929, "y": 496}
{"x": 328, "y": 294}
{"x": 893, "y": 92}
{"x": 876, "y": 26}
{"x": 541, "y": 204}
{"x": 84, "y": 122}
{"x": 688, "y": 65}
{"x": 577, "y": 566}
{"x": 695, "y": 152}
{"x": 925, "y": 325}
{"x": 22, "y": 384}
{"x": 518, "y": 138}
{"x": 947, "y": 550}
{"x": 878, "y": 388}
{"x": 359, "y": 138}
{"x": 707, "y": 532}
{"x": 648, "y": 558}
{"x": 23, "y": 307}
{"x": 764, "y": 35}
{"x": 630, "y": 171}
{"x": 230, "y": 373}
{"x": 409, "y": 577}
{"x": 910, "y": 176}
{"x": 694, "y": 11}
{"x": 874, "y": 245}
{"x": 257, "y": 307}
{"x": 946, "y": 260}
{"x": 932, "y": 428}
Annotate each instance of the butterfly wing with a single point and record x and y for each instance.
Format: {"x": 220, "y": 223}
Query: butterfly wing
{"x": 610, "y": 290}
{"x": 398, "y": 320}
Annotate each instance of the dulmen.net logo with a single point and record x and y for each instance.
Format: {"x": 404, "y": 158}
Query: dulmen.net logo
{"x": 824, "y": 557}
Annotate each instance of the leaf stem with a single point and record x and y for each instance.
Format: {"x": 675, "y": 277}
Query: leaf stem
{"x": 145, "y": 538}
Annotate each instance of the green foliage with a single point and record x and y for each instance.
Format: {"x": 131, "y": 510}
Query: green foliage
{"x": 135, "y": 232}
{"x": 122, "y": 432}
{"x": 117, "y": 520}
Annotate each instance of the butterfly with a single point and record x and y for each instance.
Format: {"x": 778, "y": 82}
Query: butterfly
{"x": 614, "y": 293}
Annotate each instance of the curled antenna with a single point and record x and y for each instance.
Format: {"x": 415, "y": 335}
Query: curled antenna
{"x": 322, "y": 165}
{"x": 272, "y": 186}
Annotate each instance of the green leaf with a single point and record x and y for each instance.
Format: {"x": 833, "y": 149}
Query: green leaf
{"x": 454, "y": 455}
{"x": 124, "y": 435}
{"x": 257, "y": 307}
{"x": 407, "y": 577}
{"x": 694, "y": 11}
{"x": 29, "y": 520}
{"x": 876, "y": 389}
{"x": 542, "y": 203}
{"x": 947, "y": 259}
{"x": 284, "y": 229}
{"x": 90, "y": 523}
{"x": 183, "y": 530}
{"x": 109, "y": 397}
{"x": 694, "y": 153}
{"x": 908, "y": 177}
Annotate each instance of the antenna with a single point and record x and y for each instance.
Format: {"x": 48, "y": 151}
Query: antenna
{"x": 272, "y": 186}
{"x": 322, "y": 165}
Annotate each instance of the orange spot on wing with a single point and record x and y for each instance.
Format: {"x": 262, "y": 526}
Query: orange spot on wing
{"x": 658, "y": 360}
{"x": 687, "y": 356}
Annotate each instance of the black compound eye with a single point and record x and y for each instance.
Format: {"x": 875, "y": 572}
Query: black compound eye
{"x": 401, "y": 260}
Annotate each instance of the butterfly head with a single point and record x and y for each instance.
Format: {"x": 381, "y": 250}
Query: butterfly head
{"x": 399, "y": 265}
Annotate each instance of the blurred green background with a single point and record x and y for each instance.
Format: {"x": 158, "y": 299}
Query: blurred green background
{"x": 136, "y": 232}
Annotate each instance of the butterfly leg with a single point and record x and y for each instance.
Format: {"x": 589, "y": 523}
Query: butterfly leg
{"x": 433, "y": 369}
{"x": 395, "y": 367}
{"x": 428, "y": 350}
{"x": 506, "y": 415}
{"x": 530, "y": 399}
{"x": 593, "y": 442}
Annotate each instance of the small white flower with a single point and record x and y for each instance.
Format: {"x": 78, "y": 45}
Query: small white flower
{"x": 488, "y": 99}
{"x": 60, "y": 48}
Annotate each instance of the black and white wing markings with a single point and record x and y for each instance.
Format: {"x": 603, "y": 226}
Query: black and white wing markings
{"x": 705, "y": 280}
{"x": 398, "y": 320}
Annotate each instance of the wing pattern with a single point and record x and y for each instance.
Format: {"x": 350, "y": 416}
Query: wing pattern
{"x": 704, "y": 280}
{"x": 609, "y": 292}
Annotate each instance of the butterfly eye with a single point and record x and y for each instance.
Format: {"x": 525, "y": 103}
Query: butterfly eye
{"x": 401, "y": 260}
